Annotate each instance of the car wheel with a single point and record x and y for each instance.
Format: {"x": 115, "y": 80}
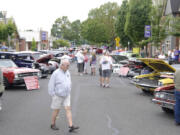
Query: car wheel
{"x": 167, "y": 110}
{"x": 145, "y": 91}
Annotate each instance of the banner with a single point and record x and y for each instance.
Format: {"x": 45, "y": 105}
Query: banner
{"x": 123, "y": 71}
{"x": 31, "y": 82}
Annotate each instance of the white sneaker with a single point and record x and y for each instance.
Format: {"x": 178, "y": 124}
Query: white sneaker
{"x": 0, "y": 108}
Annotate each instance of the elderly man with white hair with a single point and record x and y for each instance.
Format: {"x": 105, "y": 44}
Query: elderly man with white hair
{"x": 59, "y": 88}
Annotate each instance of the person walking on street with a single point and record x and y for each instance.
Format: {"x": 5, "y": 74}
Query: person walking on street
{"x": 85, "y": 62}
{"x": 80, "y": 62}
{"x": 177, "y": 97}
{"x": 93, "y": 63}
{"x": 176, "y": 55}
{"x": 106, "y": 65}
{"x": 100, "y": 69}
{"x": 59, "y": 88}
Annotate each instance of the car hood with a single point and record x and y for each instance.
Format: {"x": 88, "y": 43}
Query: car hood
{"x": 158, "y": 65}
{"x": 18, "y": 70}
{"x": 45, "y": 58}
{"x": 169, "y": 87}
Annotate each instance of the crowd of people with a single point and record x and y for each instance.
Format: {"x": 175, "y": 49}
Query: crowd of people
{"x": 103, "y": 62}
{"x": 172, "y": 56}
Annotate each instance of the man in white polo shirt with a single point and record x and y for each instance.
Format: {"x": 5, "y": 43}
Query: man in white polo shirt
{"x": 106, "y": 66}
{"x": 60, "y": 88}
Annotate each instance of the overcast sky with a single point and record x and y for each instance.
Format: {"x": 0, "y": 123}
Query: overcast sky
{"x": 36, "y": 14}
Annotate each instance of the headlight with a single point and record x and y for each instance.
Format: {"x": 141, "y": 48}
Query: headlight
{"x": 160, "y": 84}
{"x": 157, "y": 95}
{"x": 162, "y": 95}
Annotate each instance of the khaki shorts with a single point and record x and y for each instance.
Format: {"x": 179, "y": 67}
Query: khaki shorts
{"x": 57, "y": 102}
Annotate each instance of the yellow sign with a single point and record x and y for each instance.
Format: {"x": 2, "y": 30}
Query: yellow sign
{"x": 117, "y": 41}
{"x": 136, "y": 50}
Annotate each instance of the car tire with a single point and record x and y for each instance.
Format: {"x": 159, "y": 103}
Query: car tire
{"x": 167, "y": 110}
{"x": 145, "y": 91}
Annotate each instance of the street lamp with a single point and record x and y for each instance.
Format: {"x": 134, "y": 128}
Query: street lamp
{"x": 128, "y": 45}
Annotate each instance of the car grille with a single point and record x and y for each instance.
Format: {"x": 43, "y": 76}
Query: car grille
{"x": 169, "y": 96}
{"x": 148, "y": 81}
{"x": 28, "y": 74}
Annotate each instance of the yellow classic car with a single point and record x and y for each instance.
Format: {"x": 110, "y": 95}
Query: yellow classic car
{"x": 161, "y": 74}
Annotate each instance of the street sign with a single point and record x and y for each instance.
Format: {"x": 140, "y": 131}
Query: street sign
{"x": 147, "y": 32}
{"x": 117, "y": 41}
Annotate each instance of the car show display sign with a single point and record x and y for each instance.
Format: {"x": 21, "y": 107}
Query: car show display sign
{"x": 32, "y": 82}
{"x": 123, "y": 71}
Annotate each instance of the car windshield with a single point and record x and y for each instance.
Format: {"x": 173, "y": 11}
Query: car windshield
{"x": 118, "y": 58}
{"x": 7, "y": 63}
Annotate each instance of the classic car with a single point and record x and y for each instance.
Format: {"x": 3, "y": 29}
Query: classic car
{"x": 164, "y": 96}
{"x": 14, "y": 75}
{"x": 50, "y": 61}
{"x": 26, "y": 59}
{"x": 118, "y": 62}
{"x": 160, "y": 73}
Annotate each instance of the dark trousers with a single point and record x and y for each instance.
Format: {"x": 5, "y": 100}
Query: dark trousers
{"x": 177, "y": 107}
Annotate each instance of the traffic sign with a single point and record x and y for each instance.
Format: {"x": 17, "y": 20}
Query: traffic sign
{"x": 117, "y": 41}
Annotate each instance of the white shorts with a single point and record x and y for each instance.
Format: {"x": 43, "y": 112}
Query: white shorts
{"x": 57, "y": 102}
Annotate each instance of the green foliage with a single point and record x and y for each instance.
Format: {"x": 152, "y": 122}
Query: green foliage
{"x": 94, "y": 31}
{"x": 159, "y": 24}
{"x": 60, "y": 43}
{"x": 175, "y": 27}
{"x": 3, "y": 32}
{"x": 33, "y": 45}
{"x": 120, "y": 24}
{"x": 11, "y": 27}
{"x": 137, "y": 17}
{"x": 61, "y": 27}
{"x": 64, "y": 29}
{"x": 7, "y": 29}
{"x": 100, "y": 25}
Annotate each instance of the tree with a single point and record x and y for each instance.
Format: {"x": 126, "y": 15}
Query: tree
{"x": 101, "y": 24}
{"x": 75, "y": 32}
{"x": 94, "y": 31}
{"x": 120, "y": 24}
{"x": 60, "y": 43}
{"x": 159, "y": 24}
{"x": 137, "y": 17}
{"x": 3, "y": 32}
{"x": 175, "y": 27}
{"x": 61, "y": 28}
{"x": 33, "y": 45}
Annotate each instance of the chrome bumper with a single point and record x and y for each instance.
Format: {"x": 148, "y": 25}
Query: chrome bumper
{"x": 164, "y": 104}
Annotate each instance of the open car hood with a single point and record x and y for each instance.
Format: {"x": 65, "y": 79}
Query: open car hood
{"x": 45, "y": 58}
{"x": 158, "y": 65}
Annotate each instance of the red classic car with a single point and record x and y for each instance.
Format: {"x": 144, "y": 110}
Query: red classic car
{"x": 14, "y": 75}
{"x": 164, "y": 96}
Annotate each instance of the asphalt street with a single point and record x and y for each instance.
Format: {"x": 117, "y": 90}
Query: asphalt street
{"x": 121, "y": 109}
